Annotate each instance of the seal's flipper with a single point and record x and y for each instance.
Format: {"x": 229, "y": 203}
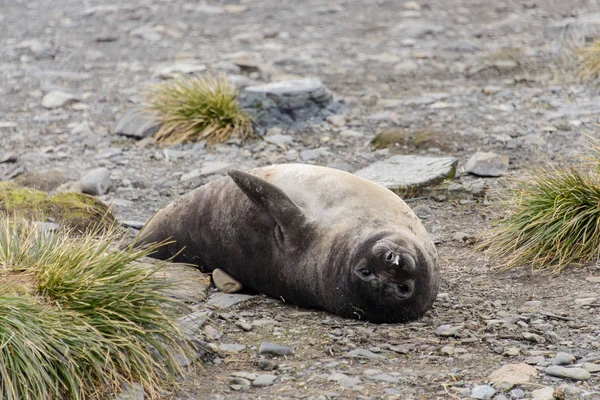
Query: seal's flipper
{"x": 287, "y": 215}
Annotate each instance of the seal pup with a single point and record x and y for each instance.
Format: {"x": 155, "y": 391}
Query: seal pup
{"x": 312, "y": 236}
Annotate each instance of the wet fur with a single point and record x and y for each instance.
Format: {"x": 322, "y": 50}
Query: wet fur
{"x": 301, "y": 251}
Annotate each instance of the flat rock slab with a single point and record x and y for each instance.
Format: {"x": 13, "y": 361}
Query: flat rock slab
{"x": 405, "y": 173}
{"x": 58, "y": 98}
{"x": 137, "y": 124}
{"x": 288, "y": 102}
{"x": 225, "y": 300}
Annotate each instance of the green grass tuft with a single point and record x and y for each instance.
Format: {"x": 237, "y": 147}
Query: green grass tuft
{"x": 79, "y": 318}
{"x": 589, "y": 66}
{"x": 554, "y": 223}
{"x": 198, "y": 108}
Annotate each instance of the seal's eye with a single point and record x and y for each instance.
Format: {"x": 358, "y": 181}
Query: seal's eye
{"x": 365, "y": 272}
{"x": 389, "y": 256}
{"x": 402, "y": 288}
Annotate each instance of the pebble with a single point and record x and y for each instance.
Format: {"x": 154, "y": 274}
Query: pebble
{"x": 546, "y": 393}
{"x": 244, "y": 325}
{"x": 364, "y": 353}
{"x": 8, "y": 158}
{"x": 535, "y": 360}
{"x": 512, "y": 374}
{"x": 96, "y": 182}
{"x": 423, "y": 211}
{"x": 274, "y": 349}
{"x": 487, "y": 164}
{"x": 590, "y": 367}
{"x": 224, "y": 282}
{"x": 517, "y": 393}
{"x": 482, "y": 392}
{"x": 344, "y": 380}
{"x": 232, "y": 347}
{"x": 136, "y": 124}
{"x": 586, "y": 301}
{"x": 447, "y": 330}
{"x": 264, "y": 380}
{"x": 578, "y": 374}
{"x": 226, "y": 300}
{"x": 562, "y": 358}
{"x": 58, "y": 98}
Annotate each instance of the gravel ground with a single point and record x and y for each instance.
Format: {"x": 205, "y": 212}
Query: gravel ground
{"x": 476, "y": 75}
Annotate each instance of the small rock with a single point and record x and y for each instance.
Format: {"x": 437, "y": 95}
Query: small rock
{"x": 214, "y": 167}
{"x": 264, "y": 380}
{"x": 482, "y": 392}
{"x": 385, "y": 378}
{"x": 274, "y": 349}
{"x": 225, "y": 282}
{"x": 180, "y": 67}
{"x": 535, "y": 360}
{"x": 423, "y": 211}
{"x": 96, "y": 182}
{"x": 517, "y": 393}
{"x": 244, "y": 325}
{"x": 232, "y": 348}
{"x": 593, "y": 279}
{"x": 344, "y": 380}
{"x": 313, "y": 154}
{"x": 562, "y": 358}
{"x": 546, "y": 393}
{"x": 57, "y": 98}
{"x": 586, "y": 301}
{"x": 226, "y": 300}
{"x": 133, "y": 391}
{"x": 399, "y": 173}
{"x": 190, "y": 324}
{"x": 532, "y": 337}
{"x": 415, "y": 29}
{"x": 137, "y": 124}
{"x": 487, "y": 164}
{"x": 447, "y": 330}
{"x": 8, "y": 158}
{"x": 511, "y": 351}
{"x": 512, "y": 374}
{"x": 578, "y": 374}
{"x": 364, "y": 353}
{"x": 336, "y": 120}
{"x": 590, "y": 367}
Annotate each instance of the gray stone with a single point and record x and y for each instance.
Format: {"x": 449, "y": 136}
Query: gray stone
{"x": 535, "y": 360}
{"x": 8, "y": 158}
{"x": 58, "y": 98}
{"x": 313, "y": 154}
{"x": 344, "y": 380}
{"x": 225, "y": 282}
{"x": 423, "y": 211}
{"x": 562, "y": 358}
{"x": 232, "y": 347}
{"x": 246, "y": 375}
{"x": 214, "y": 167}
{"x": 415, "y": 28}
{"x": 482, "y": 392}
{"x": 180, "y": 67}
{"x": 386, "y": 378}
{"x": 586, "y": 301}
{"x": 364, "y": 353}
{"x": 137, "y": 124}
{"x": 225, "y": 300}
{"x": 341, "y": 166}
{"x": 274, "y": 349}
{"x": 288, "y": 102}
{"x": 191, "y": 324}
{"x": 447, "y": 330}
{"x": 95, "y": 182}
{"x": 578, "y": 374}
{"x": 546, "y": 393}
{"x": 147, "y": 32}
{"x": 282, "y": 141}
{"x": 591, "y": 367}
{"x": 188, "y": 176}
{"x": 264, "y": 380}
{"x": 517, "y": 393}
{"x": 487, "y": 164}
{"x": 399, "y": 173}
{"x": 512, "y": 374}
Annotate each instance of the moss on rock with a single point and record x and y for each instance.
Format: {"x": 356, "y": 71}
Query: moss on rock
{"x": 74, "y": 210}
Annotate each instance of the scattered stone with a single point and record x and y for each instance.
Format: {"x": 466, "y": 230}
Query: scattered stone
{"x": 386, "y": 378}
{"x": 535, "y": 360}
{"x": 532, "y": 337}
{"x": 274, "y": 349}
{"x": 137, "y": 124}
{"x": 225, "y": 282}
{"x": 415, "y": 29}
{"x": 586, "y": 301}
{"x": 178, "y": 68}
{"x": 336, "y": 120}
{"x": 133, "y": 391}
{"x": 562, "y": 358}
{"x": 232, "y": 347}
{"x": 225, "y": 300}
{"x": 447, "y": 330}
{"x": 8, "y": 158}
{"x": 423, "y": 211}
{"x": 401, "y": 173}
{"x": 578, "y": 374}
{"x": 364, "y": 353}
{"x": 482, "y": 392}
{"x": 214, "y": 167}
{"x": 288, "y": 102}
{"x": 282, "y": 141}
{"x": 313, "y": 154}
{"x": 487, "y": 164}
{"x": 593, "y": 279}
{"x": 244, "y": 325}
{"x": 58, "y": 98}
{"x": 191, "y": 324}
{"x": 345, "y": 381}
{"x": 512, "y": 374}
{"x": 264, "y": 380}
{"x": 96, "y": 182}
{"x": 517, "y": 393}
{"x": 511, "y": 351}
{"x": 546, "y": 393}
{"x": 591, "y": 368}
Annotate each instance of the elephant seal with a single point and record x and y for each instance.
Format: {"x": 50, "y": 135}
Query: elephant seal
{"x": 311, "y": 236}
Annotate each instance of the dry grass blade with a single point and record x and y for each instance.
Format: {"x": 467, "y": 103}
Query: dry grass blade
{"x": 590, "y": 61}
{"x": 198, "y": 108}
{"x": 91, "y": 320}
{"x": 555, "y": 221}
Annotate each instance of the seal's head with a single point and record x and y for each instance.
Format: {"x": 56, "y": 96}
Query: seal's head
{"x": 393, "y": 278}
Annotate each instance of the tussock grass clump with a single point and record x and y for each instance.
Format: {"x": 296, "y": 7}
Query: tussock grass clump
{"x": 590, "y": 61}
{"x": 80, "y": 318}
{"x": 197, "y": 108}
{"x": 555, "y": 220}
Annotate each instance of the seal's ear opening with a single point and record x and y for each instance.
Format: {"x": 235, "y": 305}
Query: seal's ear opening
{"x": 286, "y": 214}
